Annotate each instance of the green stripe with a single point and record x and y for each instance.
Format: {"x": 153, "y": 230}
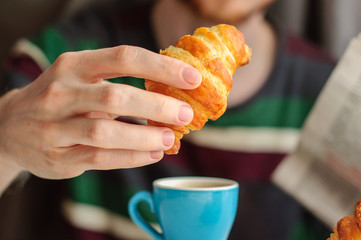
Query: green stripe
{"x": 92, "y": 189}
{"x": 53, "y": 43}
{"x": 306, "y": 230}
{"x": 265, "y": 112}
{"x": 136, "y": 82}
{"x": 268, "y": 112}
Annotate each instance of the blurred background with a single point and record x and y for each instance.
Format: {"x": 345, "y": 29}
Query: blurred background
{"x": 330, "y": 24}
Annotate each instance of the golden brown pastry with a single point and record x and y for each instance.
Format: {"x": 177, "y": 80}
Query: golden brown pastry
{"x": 216, "y": 52}
{"x": 349, "y": 227}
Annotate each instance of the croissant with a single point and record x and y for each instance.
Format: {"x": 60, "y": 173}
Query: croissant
{"x": 349, "y": 227}
{"x": 216, "y": 52}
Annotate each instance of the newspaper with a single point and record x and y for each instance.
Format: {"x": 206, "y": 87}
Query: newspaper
{"x": 324, "y": 172}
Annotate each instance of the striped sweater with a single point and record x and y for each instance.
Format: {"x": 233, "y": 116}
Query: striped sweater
{"x": 246, "y": 144}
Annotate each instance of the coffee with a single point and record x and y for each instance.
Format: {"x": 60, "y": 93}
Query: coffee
{"x": 196, "y": 185}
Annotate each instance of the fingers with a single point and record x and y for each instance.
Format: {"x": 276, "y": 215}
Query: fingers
{"x": 110, "y": 134}
{"x": 73, "y": 161}
{"x": 137, "y": 62}
{"x": 91, "y": 158}
{"x": 124, "y": 100}
{"x": 121, "y": 100}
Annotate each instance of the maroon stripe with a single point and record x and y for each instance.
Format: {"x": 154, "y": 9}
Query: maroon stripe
{"x": 25, "y": 65}
{"x": 82, "y": 234}
{"x": 239, "y": 166}
{"x": 297, "y": 46}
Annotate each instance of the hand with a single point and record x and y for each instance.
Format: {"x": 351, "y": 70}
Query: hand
{"x": 62, "y": 124}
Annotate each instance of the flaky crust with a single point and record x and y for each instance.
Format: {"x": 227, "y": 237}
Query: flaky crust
{"x": 349, "y": 227}
{"x": 216, "y": 52}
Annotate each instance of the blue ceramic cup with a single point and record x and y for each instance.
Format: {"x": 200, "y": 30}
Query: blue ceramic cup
{"x": 189, "y": 208}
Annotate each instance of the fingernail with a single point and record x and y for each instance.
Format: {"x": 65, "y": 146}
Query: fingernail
{"x": 168, "y": 138}
{"x": 190, "y": 75}
{"x": 156, "y": 155}
{"x": 185, "y": 114}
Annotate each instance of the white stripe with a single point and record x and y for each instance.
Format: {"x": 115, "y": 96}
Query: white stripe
{"x": 246, "y": 139}
{"x": 24, "y": 46}
{"x": 94, "y": 218}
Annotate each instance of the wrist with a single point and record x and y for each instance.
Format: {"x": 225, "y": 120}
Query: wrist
{"x": 8, "y": 172}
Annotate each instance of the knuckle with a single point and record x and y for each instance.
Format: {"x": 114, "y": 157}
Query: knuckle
{"x": 64, "y": 61}
{"x": 125, "y": 54}
{"x": 138, "y": 159}
{"x": 170, "y": 67}
{"x": 56, "y": 96}
{"x": 150, "y": 140}
{"x": 54, "y": 162}
{"x": 97, "y": 132}
{"x": 98, "y": 157}
{"x": 159, "y": 105}
{"x": 132, "y": 159}
{"x": 53, "y": 156}
{"x": 146, "y": 140}
{"x": 112, "y": 96}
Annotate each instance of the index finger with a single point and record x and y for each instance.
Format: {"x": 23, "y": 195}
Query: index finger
{"x": 136, "y": 62}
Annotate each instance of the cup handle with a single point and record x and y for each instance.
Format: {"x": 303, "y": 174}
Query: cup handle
{"x": 137, "y": 218}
